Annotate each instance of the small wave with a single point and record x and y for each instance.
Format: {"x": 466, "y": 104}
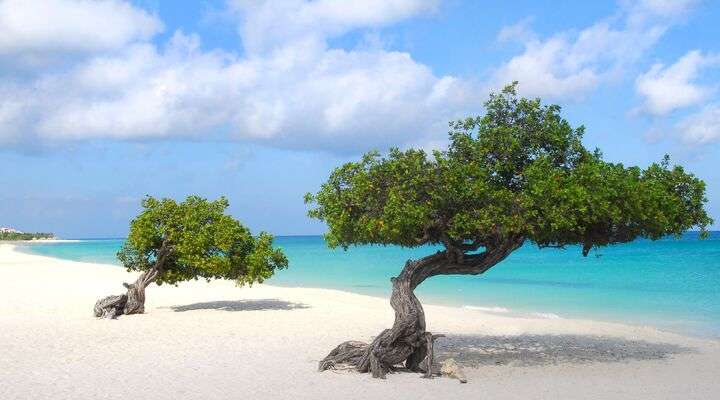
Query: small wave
{"x": 488, "y": 309}
{"x": 546, "y": 315}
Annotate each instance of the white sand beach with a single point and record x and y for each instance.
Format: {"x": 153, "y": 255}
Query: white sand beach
{"x": 217, "y": 341}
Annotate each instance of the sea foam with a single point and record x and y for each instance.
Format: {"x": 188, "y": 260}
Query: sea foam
{"x": 488, "y": 309}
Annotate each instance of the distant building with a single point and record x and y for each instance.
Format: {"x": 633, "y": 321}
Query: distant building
{"x": 8, "y": 230}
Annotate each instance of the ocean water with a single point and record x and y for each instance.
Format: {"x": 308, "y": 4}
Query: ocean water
{"x": 673, "y": 284}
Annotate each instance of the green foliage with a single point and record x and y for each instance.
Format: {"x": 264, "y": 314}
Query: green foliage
{"x": 25, "y": 236}
{"x": 201, "y": 242}
{"x": 520, "y": 169}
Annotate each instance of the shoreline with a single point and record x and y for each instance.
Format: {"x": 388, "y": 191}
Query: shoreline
{"x": 215, "y": 340}
{"x": 490, "y": 311}
{"x": 493, "y": 309}
{"x": 31, "y": 241}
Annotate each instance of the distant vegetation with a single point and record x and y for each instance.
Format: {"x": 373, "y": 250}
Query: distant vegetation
{"x": 25, "y": 236}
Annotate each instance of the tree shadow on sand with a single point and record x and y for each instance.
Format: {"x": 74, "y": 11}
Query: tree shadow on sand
{"x": 242, "y": 305}
{"x": 530, "y": 350}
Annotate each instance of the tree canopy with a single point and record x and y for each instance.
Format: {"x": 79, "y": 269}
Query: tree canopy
{"x": 196, "y": 239}
{"x": 519, "y": 171}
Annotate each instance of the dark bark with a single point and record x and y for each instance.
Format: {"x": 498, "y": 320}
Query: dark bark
{"x": 407, "y": 341}
{"x": 133, "y": 302}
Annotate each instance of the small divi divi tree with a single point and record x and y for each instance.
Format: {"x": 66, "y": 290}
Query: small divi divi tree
{"x": 518, "y": 174}
{"x": 172, "y": 242}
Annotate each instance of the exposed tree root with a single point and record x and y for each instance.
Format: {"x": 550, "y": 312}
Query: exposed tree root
{"x": 110, "y": 307}
{"x": 344, "y": 356}
{"x": 378, "y": 358}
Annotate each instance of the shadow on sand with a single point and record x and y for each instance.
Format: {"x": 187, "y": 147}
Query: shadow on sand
{"x": 242, "y": 305}
{"x": 529, "y": 350}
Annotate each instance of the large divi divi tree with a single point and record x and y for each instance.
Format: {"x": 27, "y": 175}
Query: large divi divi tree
{"x": 517, "y": 175}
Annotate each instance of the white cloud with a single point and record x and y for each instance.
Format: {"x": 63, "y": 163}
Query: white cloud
{"x": 673, "y": 87}
{"x": 268, "y": 24}
{"x": 668, "y": 88}
{"x": 571, "y": 64}
{"x": 662, "y": 7}
{"x": 140, "y": 93}
{"x": 542, "y": 70}
{"x": 290, "y": 89}
{"x": 34, "y": 32}
{"x": 312, "y": 98}
{"x": 701, "y": 127}
{"x": 520, "y": 31}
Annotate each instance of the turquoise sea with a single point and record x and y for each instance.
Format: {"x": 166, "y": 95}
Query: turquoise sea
{"x": 673, "y": 284}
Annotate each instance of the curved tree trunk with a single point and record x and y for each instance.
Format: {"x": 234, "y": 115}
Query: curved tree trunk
{"x": 407, "y": 341}
{"x": 136, "y": 292}
{"x": 133, "y": 301}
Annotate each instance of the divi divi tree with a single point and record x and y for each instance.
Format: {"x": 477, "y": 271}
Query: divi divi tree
{"x": 171, "y": 242}
{"x": 517, "y": 175}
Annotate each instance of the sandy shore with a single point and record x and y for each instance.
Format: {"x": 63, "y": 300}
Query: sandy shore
{"x": 217, "y": 341}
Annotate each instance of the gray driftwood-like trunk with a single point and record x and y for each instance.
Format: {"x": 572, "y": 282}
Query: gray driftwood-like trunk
{"x": 133, "y": 301}
{"x": 407, "y": 342}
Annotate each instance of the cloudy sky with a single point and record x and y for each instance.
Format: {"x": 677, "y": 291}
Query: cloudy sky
{"x": 102, "y": 102}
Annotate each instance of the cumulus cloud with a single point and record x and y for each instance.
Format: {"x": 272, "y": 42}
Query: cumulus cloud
{"x": 294, "y": 98}
{"x": 702, "y": 127}
{"x": 35, "y": 32}
{"x": 573, "y": 63}
{"x": 667, "y": 88}
{"x": 289, "y": 89}
{"x": 86, "y": 69}
{"x": 267, "y": 24}
{"x": 138, "y": 93}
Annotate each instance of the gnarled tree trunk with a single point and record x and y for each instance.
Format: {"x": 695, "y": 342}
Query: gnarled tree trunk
{"x": 133, "y": 301}
{"x": 407, "y": 341}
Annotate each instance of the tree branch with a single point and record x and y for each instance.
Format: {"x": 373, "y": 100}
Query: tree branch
{"x": 470, "y": 264}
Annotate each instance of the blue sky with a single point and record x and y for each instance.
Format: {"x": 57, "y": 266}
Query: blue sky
{"x": 102, "y": 102}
